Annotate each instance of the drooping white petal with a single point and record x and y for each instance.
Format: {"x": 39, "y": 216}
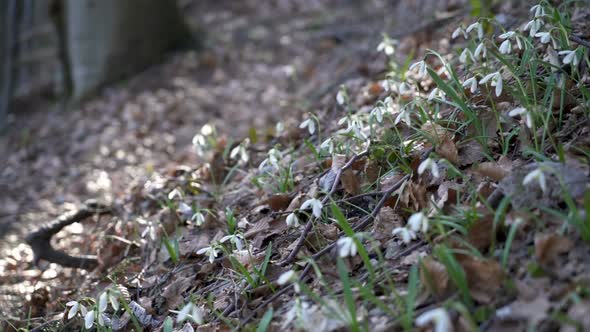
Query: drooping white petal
{"x": 286, "y": 277}
{"x": 440, "y": 318}
{"x": 89, "y": 319}
{"x": 102, "y": 302}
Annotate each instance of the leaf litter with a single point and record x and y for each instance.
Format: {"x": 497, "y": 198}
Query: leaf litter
{"x": 201, "y": 226}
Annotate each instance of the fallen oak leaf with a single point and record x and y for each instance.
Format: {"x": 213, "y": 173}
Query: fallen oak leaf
{"x": 549, "y": 246}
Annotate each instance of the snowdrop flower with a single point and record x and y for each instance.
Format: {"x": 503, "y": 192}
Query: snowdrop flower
{"x": 236, "y": 239}
{"x": 463, "y": 57}
{"x": 316, "y": 206}
{"x": 309, "y": 123}
{"x": 533, "y": 26}
{"x": 429, "y": 163}
{"x": 544, "y": 36}
{"x": 506, "y": 47}
{"x": 404, "y": 89}
{"x": 496, "y": 79}
{"x": 328, "y": 144}
{"x": 418, "y": 222}
{"x": 477, "y": 26}
{"x": 185, "y": 210}
{"x": 405, "y": 115}
{"x": 279, "y": 128}
{"x": 75, "y": 307}
{"x": 421, "y": 65}
{"x": 200, "y": 144}
{"x": 523, "y": 112}
{"x": 113, "y": 296}
{"x": 507, "y": 35}
{"x": 190, "y": 311}
{"x": 341, "y": 97}
{"x": 241, "y": 151}
{"x": 436, "y": 92}
{"x": 570, "y": 57}
{"x": 377, "y": 113}
{"x": 289, "y": 276}
{"x": 458, "y": 31}
{"x": 471, "y": 83}
{"x": 292, "y": 220}
{"x": 387, "y": 46}
{"x": 407, "y": 235}
{"x": 480, "y": 50}
{"x": 198, "y": 218}
{"x": 211, "y": 251}
{"x": 346, "y": 247}
{"x": 538, "y": 10}
{"x": 174, "y": 193}
{"x": 537, "y": 175}
{"x": 102, "y": 302}
{"x": 89, "y": 319}
{"x": 440, "y": 318}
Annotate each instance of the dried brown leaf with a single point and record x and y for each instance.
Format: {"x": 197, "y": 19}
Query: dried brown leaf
{"x": 549, "y": 246}
{"x": 484, "y": 277}
{"x": 448, "y": 150}
{"x": 434, "y": 276}
{"x": 279, "y": 202}
{"x": 350, "y": 182}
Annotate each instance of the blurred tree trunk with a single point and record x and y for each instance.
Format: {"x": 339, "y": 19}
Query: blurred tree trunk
{"x": 107, "y": 40}
{"x": 7, "y": 12}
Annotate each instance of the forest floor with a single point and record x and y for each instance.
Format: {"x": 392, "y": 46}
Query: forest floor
{"x": 290, "y": 175}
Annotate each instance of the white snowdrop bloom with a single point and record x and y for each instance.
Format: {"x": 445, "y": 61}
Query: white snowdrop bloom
{"x": 386, "y": 46}
{"x": 518, "y": 42}
{"x": 459, "y": 31}
{"x": 507, "y": 35}
{"x": 496, "y": 80}
{"x": 198, "y": 218}
{"x": 545, "y": 37}
{"x": 113, "y": 299}
{"x": 211, "y": 251}
{"x": 407, "y": 235}
{"x": 538, "y": 10}
{"x": 200, "y": 144}
{"x": 309, "y": 123}
{"x": 436, "y": 93}
{"x": 328, "y": 144}
{"x": 506, "y": 47}
{"x": 405, "y": 115}
{"x": 236, "y": 239}
{"x": 192, "y": 312}
{"x": 75, "y": 307}
{"x": 346, "y": 247}
{"x": 279, "y": 128}
{"x": 289, "y": 276}
{"x": 480, "y": 51}
{"x": 466, "y": 53}
{"x": 316, "y": 206}
{"x": 418, "y": 222}
{"x": 185, "y": 210}
{"x": 477, "y": 26}
{"x": 537, "y": 175}
{"x": 523, "y": 112}
{"x": 421, "y": 66}
{"x": 570, "y": 57}
{"x": 471, "y": 83}
{"x": 341, "y": 97}
{"x": 292, "y": 220}
{"x": 174, "y": 193}
{"x": 440, "y": 318}
{"x": 533, "y": 27}
{"x": 102, "y": 302}
{"x": 429, "y": 163}
{"x": 240, "y": 151}
{"x": 377, "y": 113}
{"x": 89, "y": 319}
